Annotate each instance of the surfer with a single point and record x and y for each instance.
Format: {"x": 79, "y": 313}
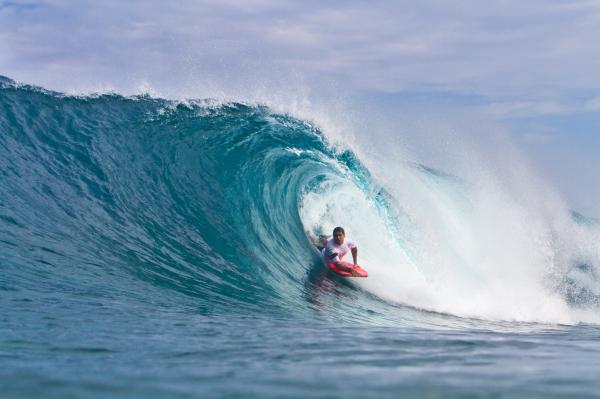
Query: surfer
{"x": 337, "y": 247}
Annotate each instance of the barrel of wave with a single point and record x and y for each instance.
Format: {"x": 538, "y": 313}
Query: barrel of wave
{"x": 391, "y": 273}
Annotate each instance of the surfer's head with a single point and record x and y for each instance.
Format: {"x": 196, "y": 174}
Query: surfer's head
{"x": 338, "y": 235}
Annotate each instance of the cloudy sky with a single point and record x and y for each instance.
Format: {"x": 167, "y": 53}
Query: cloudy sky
{"x": 531, "y": 66}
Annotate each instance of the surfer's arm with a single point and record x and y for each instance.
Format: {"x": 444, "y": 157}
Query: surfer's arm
{"x": 335, "y": 259}
{"x": 354, "y": 254}
{"x": 344, "y": 268}
{"x": 348, "y": 269}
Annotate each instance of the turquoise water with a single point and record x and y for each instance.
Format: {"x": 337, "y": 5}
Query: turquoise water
{"x": 141, "y": 255}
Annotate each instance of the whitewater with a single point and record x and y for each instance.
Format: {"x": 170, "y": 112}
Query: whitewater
{"x": 152, "y": 247}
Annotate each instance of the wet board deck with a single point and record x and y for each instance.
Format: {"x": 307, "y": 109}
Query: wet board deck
{"x": 358, "y": 271}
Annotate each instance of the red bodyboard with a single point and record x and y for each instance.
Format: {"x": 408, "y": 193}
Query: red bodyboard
{"x": 358, "y": 271}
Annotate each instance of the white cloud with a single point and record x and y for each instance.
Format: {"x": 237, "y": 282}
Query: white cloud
{"x": 593, "y": 104}
{"x": 506, "y": 51}
{"x": 541, "y": 136}
{"x": 526, "y": 108}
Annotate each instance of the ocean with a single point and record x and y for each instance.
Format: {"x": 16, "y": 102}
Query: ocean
{"x": 152, "y": 248}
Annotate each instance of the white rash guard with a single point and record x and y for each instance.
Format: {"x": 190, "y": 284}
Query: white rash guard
{"x": 334, "y": 253}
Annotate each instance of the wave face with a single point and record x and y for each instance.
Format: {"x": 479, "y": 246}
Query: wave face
{"x": 208, "y": 205}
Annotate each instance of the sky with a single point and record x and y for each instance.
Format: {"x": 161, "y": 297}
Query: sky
{"x": 528, "y": 68}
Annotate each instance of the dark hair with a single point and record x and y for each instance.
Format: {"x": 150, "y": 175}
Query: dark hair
{"x": 340, "y": 230}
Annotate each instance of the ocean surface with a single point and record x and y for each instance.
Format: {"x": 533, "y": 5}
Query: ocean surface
{"x": 152, "y": 248}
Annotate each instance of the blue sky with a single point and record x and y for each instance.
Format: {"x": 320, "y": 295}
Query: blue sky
{"x": 529, "y": 67}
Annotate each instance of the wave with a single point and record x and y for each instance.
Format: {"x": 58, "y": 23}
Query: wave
{"x": 209, "y": 204}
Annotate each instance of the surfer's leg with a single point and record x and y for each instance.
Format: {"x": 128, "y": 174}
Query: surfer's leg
{"x": 312, "y": 239}
{"x": 318, "y": 244}
{"x": 323, "y": 240}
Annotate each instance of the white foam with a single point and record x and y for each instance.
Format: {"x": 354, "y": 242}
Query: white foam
{"x": 494, "y": 244}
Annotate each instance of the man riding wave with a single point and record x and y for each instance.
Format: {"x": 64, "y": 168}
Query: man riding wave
{"x": 336, "y": 248}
